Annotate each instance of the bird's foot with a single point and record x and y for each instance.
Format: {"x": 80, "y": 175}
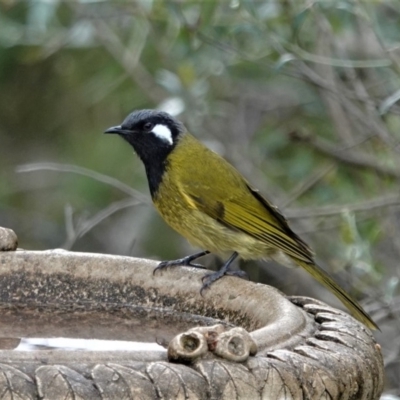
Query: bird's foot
{"x": 180, "y": 262}
{"x": 209, "y": 279}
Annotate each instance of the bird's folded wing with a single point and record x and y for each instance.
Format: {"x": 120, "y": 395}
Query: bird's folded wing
{"x": 254, "y": 215}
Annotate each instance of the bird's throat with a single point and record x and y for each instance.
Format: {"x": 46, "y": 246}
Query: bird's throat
{"x": 155, "y": 172}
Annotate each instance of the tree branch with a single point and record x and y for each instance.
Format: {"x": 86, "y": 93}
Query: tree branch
{"x": 311, "y": 212}
{"x": 358, "y": 159}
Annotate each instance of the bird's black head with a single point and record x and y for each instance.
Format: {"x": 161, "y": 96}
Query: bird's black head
{"x": 153, "y": 135}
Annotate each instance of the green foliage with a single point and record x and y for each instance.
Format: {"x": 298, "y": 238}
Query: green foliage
{"x": 302, "y": 96}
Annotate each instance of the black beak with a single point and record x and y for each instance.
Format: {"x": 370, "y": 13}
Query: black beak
{"x": 116, "y": 129}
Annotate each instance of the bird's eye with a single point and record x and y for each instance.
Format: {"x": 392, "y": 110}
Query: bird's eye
{"x": 148, "y": 126}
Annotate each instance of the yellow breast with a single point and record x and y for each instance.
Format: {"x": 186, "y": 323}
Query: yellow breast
{"x": 192, "y": 164}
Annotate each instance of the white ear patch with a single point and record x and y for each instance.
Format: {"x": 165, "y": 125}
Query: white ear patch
{"x": 162, "y": 132}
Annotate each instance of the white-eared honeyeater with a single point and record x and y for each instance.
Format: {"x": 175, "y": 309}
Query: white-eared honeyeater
{"x": 211, "y": 204}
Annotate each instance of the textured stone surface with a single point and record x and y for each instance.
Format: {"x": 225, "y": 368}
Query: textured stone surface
{"x": 8, "y": 240}
{"x": 306, "y": 349}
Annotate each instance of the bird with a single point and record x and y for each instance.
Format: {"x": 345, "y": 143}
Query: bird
{"x": 207, "y": 200}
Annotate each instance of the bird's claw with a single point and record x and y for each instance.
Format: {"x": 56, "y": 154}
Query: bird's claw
{"x": 162, "y": 265}
{"x": 182, "y": 262}
{"x": 195, "y": 265}
{"x": 239, "y": 273}
{"x": 209, "y": 279}
{"x": 206, "y": 285}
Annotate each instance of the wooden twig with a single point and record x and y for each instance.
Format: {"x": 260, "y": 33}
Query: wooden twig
{"x": 352, "y": 158}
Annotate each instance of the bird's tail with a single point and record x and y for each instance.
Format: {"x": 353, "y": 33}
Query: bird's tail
{"x": 352, "y": 305}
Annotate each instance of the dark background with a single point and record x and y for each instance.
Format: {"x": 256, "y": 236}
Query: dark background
{"x": 301, "y": 96}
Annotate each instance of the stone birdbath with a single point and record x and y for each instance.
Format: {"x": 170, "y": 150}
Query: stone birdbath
{"x": 241, "y": 340}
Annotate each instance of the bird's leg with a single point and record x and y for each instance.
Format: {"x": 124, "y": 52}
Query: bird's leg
{"x": 185, "y": 261}
{"x": 209, "y": 279}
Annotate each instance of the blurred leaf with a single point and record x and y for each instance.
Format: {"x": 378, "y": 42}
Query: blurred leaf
{"x": 187, "y": 74}
{"x": 242, "y": 75}
{"x": 389, "y": 102}
{"x": 284, "y": 59}
{"x": 169, "y": 80}
{"x": 392, "y": 286}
